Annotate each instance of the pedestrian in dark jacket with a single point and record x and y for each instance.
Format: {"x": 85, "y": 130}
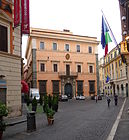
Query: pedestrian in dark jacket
{"x": 116, "y": 99}
{"x": 108, "y": 100}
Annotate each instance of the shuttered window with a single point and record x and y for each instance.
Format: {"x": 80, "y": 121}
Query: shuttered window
{"x": 3, "y": 39}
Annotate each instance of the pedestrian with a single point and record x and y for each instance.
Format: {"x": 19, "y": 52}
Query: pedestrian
{"x": 96, "y": 98}
{"x": 108, "y": 100}
{"x": 116, "y": 99}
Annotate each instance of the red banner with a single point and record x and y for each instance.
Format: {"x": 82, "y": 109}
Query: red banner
{"x": 25, "y": 17}
{"x": 16, "y": 12}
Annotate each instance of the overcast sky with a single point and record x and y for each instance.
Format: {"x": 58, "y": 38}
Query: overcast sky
{"x": 82, "y": 17}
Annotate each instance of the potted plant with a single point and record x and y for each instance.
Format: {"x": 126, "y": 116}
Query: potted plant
{"x": 55, "y": 103}
{"x": 45, "y": 103}
{"x": 2, "y": 128}
{"x": 50, "y": 115}
{"x": 3, "y": 112}
{"x": 41, "y": 100}
{"x": 34, "y": 104}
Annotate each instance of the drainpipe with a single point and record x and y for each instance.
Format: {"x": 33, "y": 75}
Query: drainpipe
{"x": 34, "y": 68}
{"x": 97, "y": 73}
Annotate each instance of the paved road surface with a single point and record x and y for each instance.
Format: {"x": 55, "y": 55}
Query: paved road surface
{"x": 75, "y": 120}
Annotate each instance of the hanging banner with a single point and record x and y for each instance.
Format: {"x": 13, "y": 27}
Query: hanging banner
{"x": 25, "y": 17}
{"x": 16, "y": 12}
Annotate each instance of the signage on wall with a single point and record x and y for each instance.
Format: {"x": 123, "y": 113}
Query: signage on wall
{"x": 16, "y": 13}
{"x": 3, "y": 84}
{"x": 25, "y": 17}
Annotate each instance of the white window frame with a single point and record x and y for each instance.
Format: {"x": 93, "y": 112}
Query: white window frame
{"x": 77, "y": 68}
{"x": 89, "y": 68}
{"x": 65, "y": 47}
{"x": 79, "y": 48}
{"x": 7, "y": 25}
{"x": 91, "y": 49}
{"x": 44, "y": 45}
{"x": 56, "y": 47}
{"x": 53, "y": 67}
{"x": 40, "y": 66}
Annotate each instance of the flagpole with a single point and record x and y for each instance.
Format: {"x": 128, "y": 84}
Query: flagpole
{"x": 110, "y": 31}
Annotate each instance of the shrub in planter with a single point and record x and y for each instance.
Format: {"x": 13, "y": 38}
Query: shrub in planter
{"x": 34, "y": 104}
{"x": 3, "y": 110}
{"x": 45, "y": 103}
{"x": 55, "y": 103}
{"x": 50, "y": 115}
{"x": 41, "y": 100}
{"x": 49, "y": 101}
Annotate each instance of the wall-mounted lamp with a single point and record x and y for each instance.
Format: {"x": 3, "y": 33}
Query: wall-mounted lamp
{"x": 124, "y": 32}
{"x": 123, "y": 18}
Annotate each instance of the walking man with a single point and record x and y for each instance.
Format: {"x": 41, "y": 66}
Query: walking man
{"x": 116, "y": 99}
{"x": 108, "y": 100}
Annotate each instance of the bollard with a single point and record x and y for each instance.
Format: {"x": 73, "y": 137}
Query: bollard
{"x": 31, "y": 123}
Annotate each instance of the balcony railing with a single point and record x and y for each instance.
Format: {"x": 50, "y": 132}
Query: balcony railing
{"x": 74, "y": 74}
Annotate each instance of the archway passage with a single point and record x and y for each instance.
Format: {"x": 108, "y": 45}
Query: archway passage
{"x": 68, "y": 90}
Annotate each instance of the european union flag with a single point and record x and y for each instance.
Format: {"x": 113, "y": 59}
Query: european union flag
{"x": 107, "y": 79}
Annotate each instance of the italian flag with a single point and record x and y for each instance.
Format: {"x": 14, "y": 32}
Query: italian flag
{"x": 105, "y": 37}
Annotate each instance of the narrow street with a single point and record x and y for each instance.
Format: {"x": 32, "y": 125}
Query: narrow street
{"x": 75, "y": 120}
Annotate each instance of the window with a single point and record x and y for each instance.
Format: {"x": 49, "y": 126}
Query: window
{"x": 111, "y": 56}
{"x": 112, "y": 66}
{"x": 3, "y": 39}
{"x": 79, "y": 68}
{"x": 41, "y": 45}
{"x": 91, "y": 69}
{"x": 42, "y": 67}
{"x": 78, "y": 48}
{"x": 90, "y": 49}
{"x": 42, "y": 87}
{"x": 115, "y": 54}
{"x": 120, "y": 62}
{"x": 54, "y": 46}
{"x": 55, "y": 87}
{"x": 116, "y": 64}
{"x": 55, "y": 67}
{"x": 109, "y": 59}
{"x": 120, "y": 73}
{"x": 79, "y": 87}
{"x": 91, "y": 86}
{"x": 67, "y": 47}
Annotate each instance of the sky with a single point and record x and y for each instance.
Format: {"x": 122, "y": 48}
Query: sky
{"x": 82, "y": 17}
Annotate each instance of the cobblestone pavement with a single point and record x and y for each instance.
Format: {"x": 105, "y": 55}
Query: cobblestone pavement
{"x": 75, "y": 120}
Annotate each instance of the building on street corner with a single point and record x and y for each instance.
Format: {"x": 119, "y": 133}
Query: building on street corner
{"x": 59, "y": 62}
{"x": 10, "y": 59}
{"x": 114, "y": 73}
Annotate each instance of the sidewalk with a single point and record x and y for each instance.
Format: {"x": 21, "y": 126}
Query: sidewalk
{"x": 122, "y": 132}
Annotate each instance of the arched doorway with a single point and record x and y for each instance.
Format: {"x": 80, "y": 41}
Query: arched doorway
{"x": 68, "y": 90}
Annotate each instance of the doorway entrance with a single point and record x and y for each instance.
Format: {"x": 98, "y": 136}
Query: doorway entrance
{"x": 68, "y": 90}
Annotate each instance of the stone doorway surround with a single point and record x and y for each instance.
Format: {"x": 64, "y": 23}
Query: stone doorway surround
{"x": 66, "y": 80}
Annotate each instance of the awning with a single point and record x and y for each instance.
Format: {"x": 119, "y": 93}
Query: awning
{"x": 25, "y": 87}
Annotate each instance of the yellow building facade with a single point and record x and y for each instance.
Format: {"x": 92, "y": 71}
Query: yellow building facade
{"x": 60, "y": 62}
{"x": 115, "y": 73}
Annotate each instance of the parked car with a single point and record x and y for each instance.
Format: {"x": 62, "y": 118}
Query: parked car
{"x": 63, "y": 98}
{"x": 81, "y": 97}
